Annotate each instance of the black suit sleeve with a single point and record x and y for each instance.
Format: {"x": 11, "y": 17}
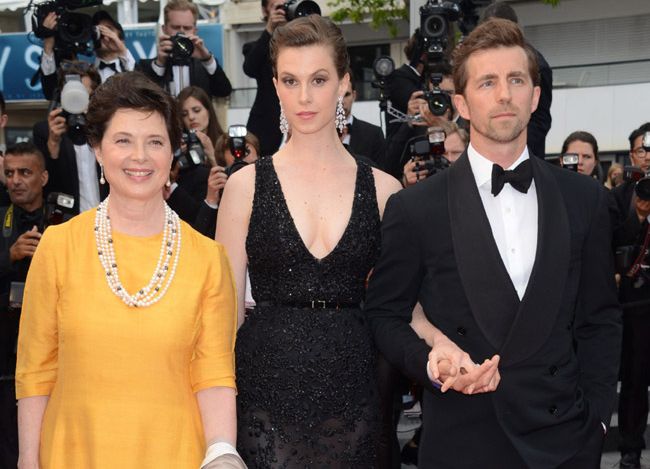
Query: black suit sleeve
{"x": 256, "y": 56}
{"x": 144, "y": 66}
{"x": 626, "y": 227}
{"x": 597, "y": 328}
{"x": 393, "y": 291}
{"x": 206, "y": 220}
{"x": 219, "y": 83}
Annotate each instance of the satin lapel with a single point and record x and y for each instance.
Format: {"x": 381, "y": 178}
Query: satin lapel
{"x": 486, "y": 282}
{"x": 541, "y": 302}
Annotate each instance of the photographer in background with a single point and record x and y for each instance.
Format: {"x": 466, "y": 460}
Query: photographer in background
{"x": 264, "y": 117}
{"x": 70, "y": 160}
{"x": 182, "y": 58}
{"x": 362, "y": 138}
{"x": 112, "y": 55}
{"x": 22, "y": 225}
{"x": 455, "y": 143}
{"x": 580, "y": 153}
{"x": 630, "y": 209}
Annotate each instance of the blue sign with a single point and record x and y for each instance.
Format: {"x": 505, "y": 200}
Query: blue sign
{"x": 20, "y": 58}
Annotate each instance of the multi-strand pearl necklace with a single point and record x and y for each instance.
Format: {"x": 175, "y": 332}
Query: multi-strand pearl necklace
{"x": 165, "y": 268}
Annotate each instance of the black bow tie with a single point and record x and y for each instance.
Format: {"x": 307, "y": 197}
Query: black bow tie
{"x": 520, "y": 178}
{"x": 111, "y": 65}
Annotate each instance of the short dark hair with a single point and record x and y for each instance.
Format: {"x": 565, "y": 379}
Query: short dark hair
{"x": 491, "y": 34}
{"x": 500, "y": 10}
{"x": 2, "y": 104}
{"x": 130, "y": 90}
{"x": 308, "y": 31}
{"x": 581, "y": 136}
{"x": 26, "y": 148}
{"x": 637, "y": 133}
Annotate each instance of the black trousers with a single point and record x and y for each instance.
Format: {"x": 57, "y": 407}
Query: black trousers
{"x": 8, "y": 425}
{"x": 635, "y": 378}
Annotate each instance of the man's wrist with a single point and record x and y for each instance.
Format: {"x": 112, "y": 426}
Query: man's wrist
{"x": 208, "y": 59}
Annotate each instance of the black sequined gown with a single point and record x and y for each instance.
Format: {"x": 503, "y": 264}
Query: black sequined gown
{"x": 307, "y": 394}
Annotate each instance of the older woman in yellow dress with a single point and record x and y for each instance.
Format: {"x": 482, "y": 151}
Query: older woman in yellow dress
{"x": 125, "y": 352}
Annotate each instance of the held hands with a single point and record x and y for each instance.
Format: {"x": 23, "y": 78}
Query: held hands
{"x": 165, "y": 46}
{"x": 208, "y": 147}
{"x": 216, "y": 182}
{"x": 277, "y": 16}
{"x": 413, "y": 172}
{"x": 25, "y": 245}
{"x": 57, "y": 127}
{"x": 50, "y": 22}
{"x": 456, "y": 370}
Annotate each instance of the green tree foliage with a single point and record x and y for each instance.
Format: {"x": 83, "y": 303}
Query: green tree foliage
{"x": 380, "y": 12}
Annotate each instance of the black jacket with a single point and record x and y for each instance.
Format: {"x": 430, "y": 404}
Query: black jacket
{"x": 401, "y": 85}
{"x": 264, "y": 117}
{"x": 559, "y": 345}
{"x": 367, "y": 140}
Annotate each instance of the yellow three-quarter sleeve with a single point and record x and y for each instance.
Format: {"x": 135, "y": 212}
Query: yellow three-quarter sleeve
{"x": 213, "y": 361}
{"x": 36, "y": 368}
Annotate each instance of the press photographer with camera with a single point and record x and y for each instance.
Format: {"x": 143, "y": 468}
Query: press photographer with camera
{"x": 111, "y": 54}
{"x": 182, "y": 58}
{"x": 436, "y": 157}
{"x": 580, "y": 153}
{"x": 22, "y": 225}
{"x": 70, "y": 160}
{"x": 630, "y": 211}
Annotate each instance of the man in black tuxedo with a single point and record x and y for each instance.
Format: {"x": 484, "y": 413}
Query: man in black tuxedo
{"x": 264, "y": 118}
{"x": 201, "y": 69}
{"x": 514, "y": 263}
{"x": 361, "y": 137}
{"x": 70, "y": 160}
{"x": 630, "y": 223}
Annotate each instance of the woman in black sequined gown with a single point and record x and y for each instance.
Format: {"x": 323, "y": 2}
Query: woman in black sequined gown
{"x": 306, "y": 222}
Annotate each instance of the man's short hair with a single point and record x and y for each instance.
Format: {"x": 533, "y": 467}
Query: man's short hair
{"x": 181, "y": 5}
{"x": 3, "y": 107}
{"x": 491, "y": 34}
{"x": 26, "y": 148}
{"x": 500, "y": 10}
{"x": 637, "y": 133}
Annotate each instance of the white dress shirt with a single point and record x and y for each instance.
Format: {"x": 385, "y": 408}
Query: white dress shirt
{"x": 123, "y": 64}
{"x": 513, "y": 219}
{"x": 87, "y": 174}
{"x": 181, "y": 74}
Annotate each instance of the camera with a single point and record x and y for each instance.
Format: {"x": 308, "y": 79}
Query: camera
{"x": 428, "y": 152}
{"x": 75, "y": 32}
{"x": 58, "y": 208}
{"x": 435, "y": 23}
{"x": 297, "y": 8}
{"x": 194, "y": 155}
{"x": 182, "y": 49}
{"x": 237, "y": 146}
{"x": 73, "y": 99}
{"x": 439, "y": 101}
{"x": 570, "y": 161}
{"x": 640, "y": 179}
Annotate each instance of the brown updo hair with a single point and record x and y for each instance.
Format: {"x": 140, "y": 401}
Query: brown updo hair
{"x": 130, "y": 90}
{"x": 308, "y": 31}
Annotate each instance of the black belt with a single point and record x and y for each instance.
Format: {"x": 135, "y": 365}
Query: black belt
{"x": 313, "y": 304}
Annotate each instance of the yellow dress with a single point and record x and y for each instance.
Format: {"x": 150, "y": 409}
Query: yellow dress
{"x": 121, "y": 380}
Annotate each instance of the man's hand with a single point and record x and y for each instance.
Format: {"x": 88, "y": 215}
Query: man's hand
{"x": 57, "y": 127}
{"x": 208, "y": 147}
{"x": 164, "y": 48}
{"x": 25, "y": 245}
{"x": 277, "y": 15}
{"x": 200, "y": 51}
{"x": 415, "y": 101}
{"x": 50, "y": 22}
{"x": 413, "y": 172}
{"x": 642, "y": 209}
{"x": 111, "y": 41}
{"x": 428, "y": 118}
{"x": 452, "y": 366}
{"x": 216, "y": 182}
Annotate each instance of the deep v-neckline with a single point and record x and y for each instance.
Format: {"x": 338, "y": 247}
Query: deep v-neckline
{"x": 293, "y": 222}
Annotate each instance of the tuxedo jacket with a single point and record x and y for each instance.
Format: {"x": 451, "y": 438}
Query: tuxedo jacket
{"x": 367, "y": 140}
{"x": 559, "y": 345}
{"x": 264, "y": 117}
{"x": 540, "y": 120}
{"x": 63, "y": 172}
{"x": 216, "y": 85}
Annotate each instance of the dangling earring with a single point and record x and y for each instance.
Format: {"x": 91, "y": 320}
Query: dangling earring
{"x": 102, "y": 181}
{"x": 339, "y": 120}
{"x": 284, "y": 124}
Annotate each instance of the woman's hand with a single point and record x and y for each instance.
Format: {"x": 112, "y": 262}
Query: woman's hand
{"x": 208, "y": 147}
{"x": 216, "y": 182}
{"x": 452, "y": 366}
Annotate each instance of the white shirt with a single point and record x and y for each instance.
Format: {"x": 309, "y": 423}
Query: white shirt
{"x": 513, "y": 219}
{"x": 87, "y": 174}
{"x": 181, "y": 74}
{"x": 123, "y": 64}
